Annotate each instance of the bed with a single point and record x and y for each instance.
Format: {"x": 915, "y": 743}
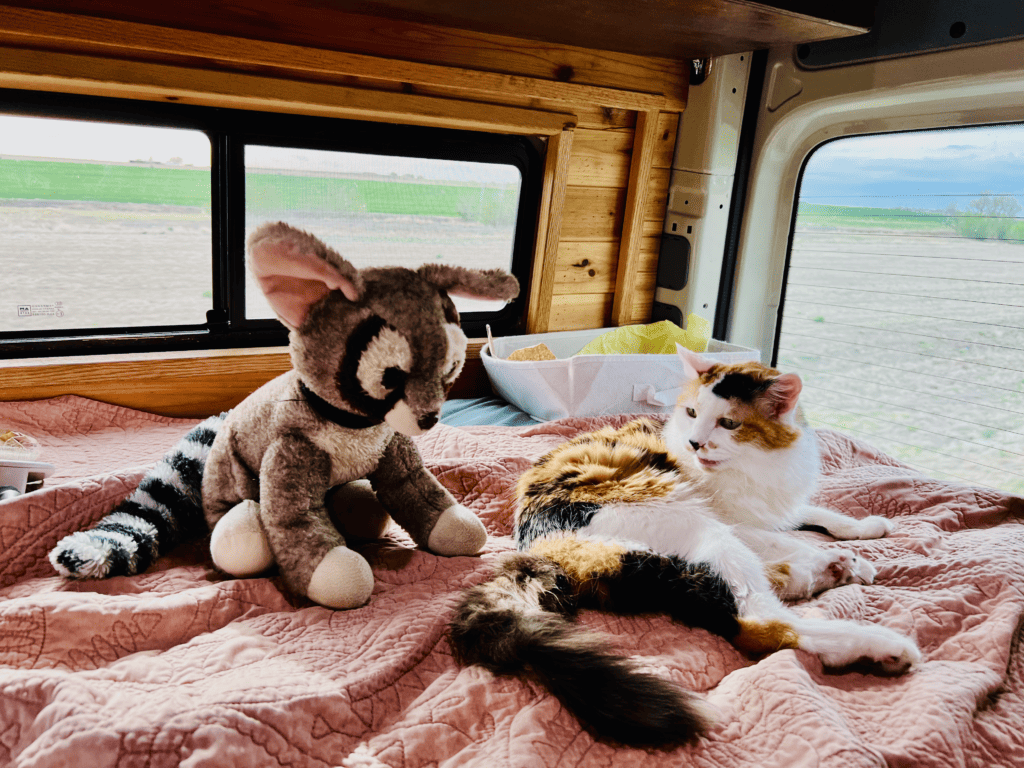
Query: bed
{"x": 180, "y": 666}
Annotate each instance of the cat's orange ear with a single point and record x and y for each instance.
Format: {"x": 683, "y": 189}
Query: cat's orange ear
{"x": 693, "y": 364}
{"x": 781, "y": 396}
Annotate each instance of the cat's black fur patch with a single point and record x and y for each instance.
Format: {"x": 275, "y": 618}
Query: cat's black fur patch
{"x": 690, "y": 593}
{"x": 742, "y": 386}
{"x": 561, "y": 517}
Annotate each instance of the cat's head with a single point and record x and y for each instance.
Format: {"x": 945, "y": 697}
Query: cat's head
{"x": 728, "y": 413}
{"x": 383, "y": 344}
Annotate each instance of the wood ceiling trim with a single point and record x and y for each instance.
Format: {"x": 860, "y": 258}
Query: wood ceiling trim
{"x": 47, "y": 30}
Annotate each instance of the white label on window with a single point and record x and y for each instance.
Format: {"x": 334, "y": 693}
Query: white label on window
{"x": 41, "y": 310}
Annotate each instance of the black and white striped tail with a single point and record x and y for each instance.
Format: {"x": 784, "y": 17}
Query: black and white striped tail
{"x": 165, "y": 510}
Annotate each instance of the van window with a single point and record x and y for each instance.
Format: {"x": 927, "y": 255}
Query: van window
{"x": 903, "y": 308}
{"x": 103, "y": 225}
{"x": 123, "y": 224}
{"x": 373, "y": 209}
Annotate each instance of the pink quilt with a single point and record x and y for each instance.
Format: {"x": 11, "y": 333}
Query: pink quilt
{"x": 182, "y": 667}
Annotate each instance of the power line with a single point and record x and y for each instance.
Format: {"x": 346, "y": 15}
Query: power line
{"x": 900, "y": 370}
{"x": 790, "y": 300}
{"x": 891, "y": 331}
{"x": 913, "y": 194}
{"x": 889, "y": 234}
{"x": 909, "y": 256}
{"x": 804, "y": 367}
{"x": 905, "y": 352}
{"x": 928, "y": 470}
{"x": 818, "y": 388}
{"x": 957, "y": 215}
{"x": 929, "y": 431}
{"x": 905, "y": 295}
{"x": 903, "y": 274}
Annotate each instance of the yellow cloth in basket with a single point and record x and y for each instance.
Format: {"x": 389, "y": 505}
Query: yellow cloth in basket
{"x": 653, "y": 339}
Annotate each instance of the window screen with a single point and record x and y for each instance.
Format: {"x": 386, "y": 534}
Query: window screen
{"x": 375, "y": 210}
{"x": 904, "y": 301}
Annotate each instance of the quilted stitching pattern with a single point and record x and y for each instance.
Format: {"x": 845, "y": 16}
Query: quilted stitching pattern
{"x": 181, "y": 667}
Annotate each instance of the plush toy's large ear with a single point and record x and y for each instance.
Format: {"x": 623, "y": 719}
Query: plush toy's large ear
{"x": 471, "y": 283}
{"x": 295, "y": 271}
{"x": 693, "y": 364}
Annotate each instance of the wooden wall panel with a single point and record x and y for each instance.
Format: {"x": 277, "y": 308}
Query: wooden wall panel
{"x": 586, "y": 101}
{"x": 587, "y": 261}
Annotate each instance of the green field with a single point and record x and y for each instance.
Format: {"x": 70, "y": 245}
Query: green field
{"x": 816, "y": 216}
{"x": 96, "y": 182}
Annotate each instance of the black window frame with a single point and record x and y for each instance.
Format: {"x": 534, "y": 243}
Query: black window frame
{"x": 229, "y": 131}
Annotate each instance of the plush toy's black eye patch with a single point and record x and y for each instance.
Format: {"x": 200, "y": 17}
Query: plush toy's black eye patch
{"x": 394, "y": 378}
{"x": 352, "y": 386}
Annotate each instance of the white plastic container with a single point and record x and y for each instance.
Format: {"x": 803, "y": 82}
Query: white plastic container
{"x": 14, "y": 473}
{"x": 591, "y": 385}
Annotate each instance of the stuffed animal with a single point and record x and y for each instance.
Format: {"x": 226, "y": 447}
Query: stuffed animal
{"x": 374, "y": 353}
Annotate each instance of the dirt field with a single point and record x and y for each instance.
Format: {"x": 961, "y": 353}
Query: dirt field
{"x": 915, "y": 343}
{"x": 82, "y": 265}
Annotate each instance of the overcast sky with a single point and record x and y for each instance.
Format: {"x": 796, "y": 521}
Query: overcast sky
{"x": 84, "y": 140}
{"x": 921, "y": 169}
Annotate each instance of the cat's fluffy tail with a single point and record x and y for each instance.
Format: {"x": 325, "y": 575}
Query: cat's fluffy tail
{"x": 516, "y": 623}
{"x": 165, "y": 510}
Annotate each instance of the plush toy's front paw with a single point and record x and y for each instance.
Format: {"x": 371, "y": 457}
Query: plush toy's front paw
{"x": 457, "y": 532}
{"x": 342, "y": 580}
{"x": 239, "y": 544}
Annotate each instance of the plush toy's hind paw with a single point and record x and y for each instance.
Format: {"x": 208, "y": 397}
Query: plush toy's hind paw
{"x": 239, "y": 544}
{"x": 457, "y": 532}
{"x": 342, "y": 580}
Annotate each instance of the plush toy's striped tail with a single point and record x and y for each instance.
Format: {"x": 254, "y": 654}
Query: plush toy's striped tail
{"x": 519, "y": 623}
{"x": 165, "y": 510}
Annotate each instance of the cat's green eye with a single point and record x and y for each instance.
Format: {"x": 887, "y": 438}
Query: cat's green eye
{"x": 729, "y": 423}
{"x": 691, "y": 413}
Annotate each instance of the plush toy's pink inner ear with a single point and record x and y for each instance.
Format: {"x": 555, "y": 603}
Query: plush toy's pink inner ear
{"x": 293, "y": 280}
{"x": 693, "y": 364}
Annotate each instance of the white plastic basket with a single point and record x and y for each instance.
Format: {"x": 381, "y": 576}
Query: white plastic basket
{"x": 591, "y": 385}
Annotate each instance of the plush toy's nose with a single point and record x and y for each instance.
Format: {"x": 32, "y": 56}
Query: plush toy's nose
{"x": 426, "y": 422}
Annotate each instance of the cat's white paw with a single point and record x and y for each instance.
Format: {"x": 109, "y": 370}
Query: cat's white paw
{"x": 882, "y": 648}
{"x": 847, "y": 568}
{"x": 874, "y": 527}
{"x": 829, "y": 568}
{"x": 893, "y": 653}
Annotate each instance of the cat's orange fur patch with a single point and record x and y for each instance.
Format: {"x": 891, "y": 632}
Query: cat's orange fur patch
{"x": 767, "y": 433}
{"x": 760, "y": 637}
{"x": 778, "y": 574}
{"x": 582, "y": 559}
{"x": 609, "y": 465}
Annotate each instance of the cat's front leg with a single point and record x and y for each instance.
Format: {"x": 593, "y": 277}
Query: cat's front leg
{"x": 844, "y": 527}
{"x": 798, "y": 569}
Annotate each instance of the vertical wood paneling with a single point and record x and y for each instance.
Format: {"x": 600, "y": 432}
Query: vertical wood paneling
{"x": 542, "y": 283}
{"x": 644, "y": 145}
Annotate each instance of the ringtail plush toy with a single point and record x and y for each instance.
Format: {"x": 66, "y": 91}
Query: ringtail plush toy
{"x": 282, "y": 476}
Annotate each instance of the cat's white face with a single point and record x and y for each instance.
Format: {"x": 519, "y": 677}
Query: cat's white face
{"x": 732, "y": 415}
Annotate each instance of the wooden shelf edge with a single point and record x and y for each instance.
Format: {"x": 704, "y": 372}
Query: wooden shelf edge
{"x": 181, "y": 384}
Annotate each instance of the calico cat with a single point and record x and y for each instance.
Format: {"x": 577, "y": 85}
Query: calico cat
{"x": 693, "y": 519}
